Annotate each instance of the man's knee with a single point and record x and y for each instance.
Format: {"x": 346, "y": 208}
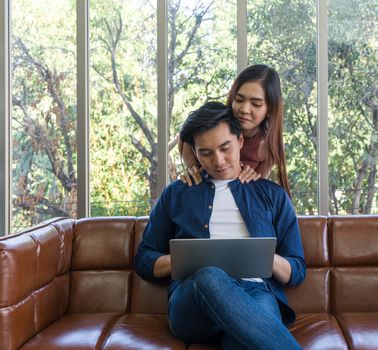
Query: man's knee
{"x": 209, "y": 275}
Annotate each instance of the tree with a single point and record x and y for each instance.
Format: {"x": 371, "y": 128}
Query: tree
{"x": 187, "y": 45}
{"x": 201, "y": 67}
{"x": 284, "y": 35}
{"x": 44, "y": 143}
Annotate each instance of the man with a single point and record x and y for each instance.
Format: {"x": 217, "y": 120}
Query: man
{"x": 210, "y": 306}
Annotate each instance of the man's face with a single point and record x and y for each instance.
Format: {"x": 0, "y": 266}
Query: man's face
{"x": 218, "y": 151}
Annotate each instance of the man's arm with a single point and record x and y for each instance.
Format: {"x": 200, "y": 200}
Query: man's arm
{"x": 162, "y": 267}
{"x": 151, "y": 258}
{"x": 281, "y": 269}
{"x": 289, "y": 244}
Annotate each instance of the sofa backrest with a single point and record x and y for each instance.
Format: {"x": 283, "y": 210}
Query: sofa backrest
{"x": 354, "y": 246}
{"x": 147, "y": 297}
{"x": 341, "y": 254}
{"x": 313, "y": 295}
{"x": 102, "y": 264}
{"x": 34, "y": 280}
{"x": 84, "y": 266}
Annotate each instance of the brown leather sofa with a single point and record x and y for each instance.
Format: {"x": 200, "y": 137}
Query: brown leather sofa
{"x": 69, "y": 284}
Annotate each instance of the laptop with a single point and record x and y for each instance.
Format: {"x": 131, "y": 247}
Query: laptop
{"x": 250, "y": 257}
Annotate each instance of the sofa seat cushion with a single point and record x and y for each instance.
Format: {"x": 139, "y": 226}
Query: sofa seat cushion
{"x": 360, "y": 329}
{"x": 142, "y": 331}
{"x": 318, "y": 331}
{"x": 75, "y": 331}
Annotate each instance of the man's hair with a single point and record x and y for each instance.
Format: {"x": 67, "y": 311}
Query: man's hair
{"x": 207, "y": 117}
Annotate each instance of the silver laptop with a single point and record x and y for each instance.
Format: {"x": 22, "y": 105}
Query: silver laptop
{"x": 240, "y": 257}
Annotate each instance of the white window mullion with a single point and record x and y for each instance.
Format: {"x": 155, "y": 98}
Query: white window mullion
{"x": 322, "y": 93}
{"x": 242, "y": 45}
{"x": 5, "y": 119}
{"x": 162, "y": 93}
{"x": 82, "y": 47}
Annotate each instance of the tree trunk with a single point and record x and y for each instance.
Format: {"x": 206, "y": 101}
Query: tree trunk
{"x": 371, "y": 189}
{"x": 333, "y": 209}
{"x": 358, "y": 187}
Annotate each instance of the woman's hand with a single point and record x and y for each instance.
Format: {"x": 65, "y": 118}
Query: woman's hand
{"x": 194, "y": 173}
{"x": 248, "y": 174}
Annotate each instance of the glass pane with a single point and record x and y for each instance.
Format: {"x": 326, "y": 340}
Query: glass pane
{"x": 44, "y": 110}
{"x": 282, "y": 34}
{"x": 123, "y": 100}
{"x": 353, "y": 106}
{"x": 202, "y": 61}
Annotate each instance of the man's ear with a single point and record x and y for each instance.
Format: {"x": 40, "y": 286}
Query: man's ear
{"x": 241, "y": 141}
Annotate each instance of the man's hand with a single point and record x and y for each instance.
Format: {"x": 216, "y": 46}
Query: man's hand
{"x": 248, "y": 174}
{"x": 162, "y": 267}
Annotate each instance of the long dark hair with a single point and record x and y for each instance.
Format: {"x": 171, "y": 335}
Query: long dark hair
{"x": 272, "y": 126}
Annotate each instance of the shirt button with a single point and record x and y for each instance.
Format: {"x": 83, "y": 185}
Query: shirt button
{"x": 206, "y": 226}
{"x": 210, "y": 207}
{"x": 212, "y": 186}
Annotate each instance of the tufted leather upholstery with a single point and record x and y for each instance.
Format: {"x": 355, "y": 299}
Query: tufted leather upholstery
{"x": 69, "y": 284}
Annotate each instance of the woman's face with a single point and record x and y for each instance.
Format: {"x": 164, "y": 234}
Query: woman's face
{"x": 250, "y": 107}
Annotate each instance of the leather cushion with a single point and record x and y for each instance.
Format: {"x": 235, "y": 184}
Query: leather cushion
{"x": 318, "y": 331}
{"x": 315, "y": 240}
{"x": 360, "y": 329}
{"x": 313, "y": 295}
{"x": 142, "y": 331}
{"x": 79, "y": 331}
{"x": 100, "y": 291}
{"x": 103, "y": 243}
{"x": 354, "y": 240}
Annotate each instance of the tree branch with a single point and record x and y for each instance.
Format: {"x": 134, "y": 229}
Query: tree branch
{"x": 141, "y": 148}
{"x": 38, "y": 135}
{"x": 115, "y": 40}
{"x": 52, "y": 81}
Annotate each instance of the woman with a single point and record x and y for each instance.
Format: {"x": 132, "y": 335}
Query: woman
{"x": 256, "y": 100}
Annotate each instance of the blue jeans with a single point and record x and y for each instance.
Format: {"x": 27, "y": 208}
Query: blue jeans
{"x": 211, "y": 307}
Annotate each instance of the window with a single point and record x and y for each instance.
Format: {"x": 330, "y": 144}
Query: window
{"x": 201, "y": 61}
{"x": 123, "y": 105}
{"x": 353, "y": 106}
{"x": 44, "y": 111}
{"x": 202, "y": 58}
{"x": 283, "y": 34}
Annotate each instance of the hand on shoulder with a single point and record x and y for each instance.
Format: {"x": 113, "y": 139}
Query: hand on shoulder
{"x": 248, "y": 174}
{"x": 193, "y": 174}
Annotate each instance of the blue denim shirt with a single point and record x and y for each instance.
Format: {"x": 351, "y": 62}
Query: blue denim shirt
{"x": 184, "y": 212}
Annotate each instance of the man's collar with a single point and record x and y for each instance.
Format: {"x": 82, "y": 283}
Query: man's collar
{"x": 208, "y": 178}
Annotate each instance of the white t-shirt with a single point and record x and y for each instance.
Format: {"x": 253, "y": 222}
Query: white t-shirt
{"x": 226, "y": 220}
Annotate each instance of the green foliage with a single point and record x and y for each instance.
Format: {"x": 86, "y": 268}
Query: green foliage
{"x": 202, "y": 66}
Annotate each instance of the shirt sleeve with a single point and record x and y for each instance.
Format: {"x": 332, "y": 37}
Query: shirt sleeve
{"x": 289, "y": 243}
{"x": 156, "y": 236}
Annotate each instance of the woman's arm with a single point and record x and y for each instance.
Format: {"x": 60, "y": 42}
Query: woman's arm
{"x": 191, "y": 163}
{"x": 264, "y": 169}
{"x": 187, "y": 154}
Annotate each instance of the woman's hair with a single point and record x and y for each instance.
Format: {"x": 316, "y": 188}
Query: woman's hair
{"x": 272, "y": 126}
{"x": 207, "y": 117}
